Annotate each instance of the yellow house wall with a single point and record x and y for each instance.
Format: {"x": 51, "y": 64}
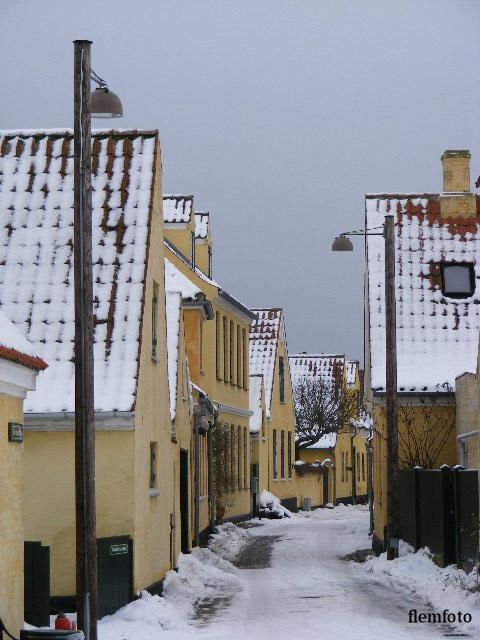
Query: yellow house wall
{"x": 201, "y": 255}
{"x": 237, "y": 503}
{"x": 314, "y": 455}
{"x": 447, "y": 455}
{"x": 124, "y": 503}
{"x": 11, "y": 517}
{"x": 221, "y": 389}
{"x": 183, "y": 440}
{"x": 50, "y": 503}
{"x": 309, "y": 486}
{"x": 181, "y": 237}
{"x": 193, "y": 329}
{"x": 152, "y": 546}
{"x": 282, "y": 417}
{"x": 360, "y": 444}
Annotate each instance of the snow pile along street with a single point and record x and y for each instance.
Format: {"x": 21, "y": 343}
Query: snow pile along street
{"x": 448, "y": 588}
{"x": 229, "y": 541}
{"x": 306, "y": 584}
{"x": 201, "y": 575}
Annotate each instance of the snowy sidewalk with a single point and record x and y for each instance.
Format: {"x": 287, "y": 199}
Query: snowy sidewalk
{"x": 297, "y": 584}
{"x": 312, "y": 592}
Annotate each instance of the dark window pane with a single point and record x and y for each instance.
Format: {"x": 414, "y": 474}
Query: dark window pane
{"x": 457, "y": 280}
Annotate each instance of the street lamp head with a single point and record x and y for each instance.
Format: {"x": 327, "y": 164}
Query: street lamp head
{"x": 105, "y": 104}
{"x": 342, "y": 243}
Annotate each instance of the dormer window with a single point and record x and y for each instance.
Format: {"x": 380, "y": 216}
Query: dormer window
{"x": 458, "y": 279}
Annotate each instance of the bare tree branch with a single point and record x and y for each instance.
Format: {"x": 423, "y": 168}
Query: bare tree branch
{"x": 321, "y": 407}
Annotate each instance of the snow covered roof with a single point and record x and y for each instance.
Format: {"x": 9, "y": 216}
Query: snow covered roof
{"x": 175, "y": 280}
{"x": 437, "y": 337}
{"x": 329, "y": 367}
{"x": 351, "y": 370}
{"x": 173, "y": 306}
{"x": 36, "y": 256}
{"x": 177, "y": 208}
{"x": 255, "y": 402}
{"x": 326, "y": 442}
{"x": 264, "y": 334}
{"x": 15, "y": 347}
{"x": 202, "y": 220}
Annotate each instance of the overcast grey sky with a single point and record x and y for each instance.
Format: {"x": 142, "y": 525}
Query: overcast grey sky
{"x": 278, "y": 115}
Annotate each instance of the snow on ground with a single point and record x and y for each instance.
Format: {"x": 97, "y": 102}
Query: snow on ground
{"x": 444, "y": 588}
{"x": 310, "y": 588}
{"x": 201, "y": 575}
{"x": 229, "y": 541}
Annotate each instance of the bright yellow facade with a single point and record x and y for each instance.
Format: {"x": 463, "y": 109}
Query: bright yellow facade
{"x": 435, "y": 342}
{"x": 415, "y": 416}
{"x": 281, "y": 432}
{"x": 136, "y": 458}
{"x": 11, "y": 516}
{"x": 273, "y": 434}
{"x": 18, "y": 372}
{"x": 217, "y": 352}
{"x": 346, "y": 450}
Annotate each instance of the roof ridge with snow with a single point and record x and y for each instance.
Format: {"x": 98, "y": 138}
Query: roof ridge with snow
{"x": 328, "y": 367}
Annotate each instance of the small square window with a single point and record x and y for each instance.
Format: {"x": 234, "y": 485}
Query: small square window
{"x": 458, "y": 279}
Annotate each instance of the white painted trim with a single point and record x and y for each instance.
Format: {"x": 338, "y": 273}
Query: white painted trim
{"x": 234, "y": 411}
{"x": 104, "y": 421}
{"x": 15, "y": 379}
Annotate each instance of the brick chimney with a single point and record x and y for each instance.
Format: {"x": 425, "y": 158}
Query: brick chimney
{"x": 456, "y": 201}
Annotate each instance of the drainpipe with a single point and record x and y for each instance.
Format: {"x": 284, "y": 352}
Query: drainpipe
{"x": 369, "y": 448}
{"x": 462, "y": 440}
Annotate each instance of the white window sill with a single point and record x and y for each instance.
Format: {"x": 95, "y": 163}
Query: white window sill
{"x": 153, "y": 493}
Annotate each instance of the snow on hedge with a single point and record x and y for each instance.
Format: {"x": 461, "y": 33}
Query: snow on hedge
{"x": 201, "y": 575}
{"x": 229, "y": 541}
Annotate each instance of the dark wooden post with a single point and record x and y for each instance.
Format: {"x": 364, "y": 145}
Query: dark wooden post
{"x": 86, "y": 548}
{"x": 391, "y": 390}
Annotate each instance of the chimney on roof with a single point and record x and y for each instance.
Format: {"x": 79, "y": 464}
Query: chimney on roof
{"x": 456, "y": 201}
{"x": 456, "y": 171}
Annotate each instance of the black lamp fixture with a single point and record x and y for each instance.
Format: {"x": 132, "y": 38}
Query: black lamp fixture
{"x": 103, "y": 102}
{"x": 342, "y": 243}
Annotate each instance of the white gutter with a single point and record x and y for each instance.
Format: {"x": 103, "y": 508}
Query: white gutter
{"x": 462, "y": 440}
{"x": 65, "y": 421}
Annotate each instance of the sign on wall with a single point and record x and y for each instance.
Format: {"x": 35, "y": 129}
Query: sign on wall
{"x": 15, "y": 432}
{"x": 118, "y": 549}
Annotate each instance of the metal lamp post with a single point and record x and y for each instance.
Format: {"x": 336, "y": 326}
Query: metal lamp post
{"x": 103, "y": 104}
{"x": 342, "y": 243}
